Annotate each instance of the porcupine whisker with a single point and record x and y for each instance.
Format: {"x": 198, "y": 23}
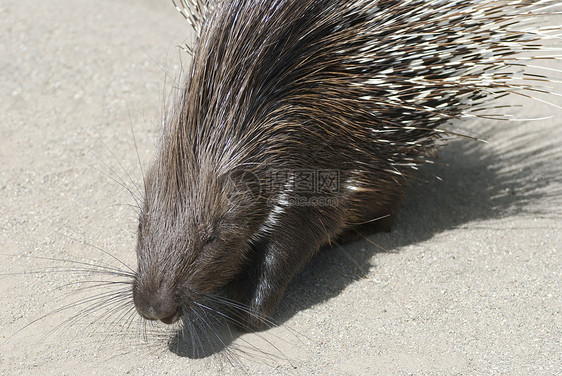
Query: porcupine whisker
{"x": 134, "y": 208}
{"x": 192, "y": 334}
{"x": 202, "y": 318}
{"x": 132, "y": 317}
{"x": 100, "y": 343}
{"x": 95, "y": 302}
{"x": 142, "y": 329}
{"x": 255, "y": 353}
{"x": 119, "y": 181}
{"x": 118, "y": 301}
{"x": 115, "y": 320}
{"x": 195, "y": 329}
{"x": 139, "y": 191}
{"x": 110, "y": 318}
{"x": 136, "y": 196}
{"x": 239, "y": 306}
{"x": 56, "y": 269}
{"x": 116, "y": 294}
{"x": 121, "y": 304}
{"x": 136, "y": 150}
{"x": 81, "y": 267}
{"x": 222, "y": 319}
{"x": 167, "y": 76}
{"x": 231, "y": 354}
{"x": 93, "y": 284}
{"x": 237, "y": 320}
{"x": 131, "y": 272}
{"x": 101, "y": 300}
{"x": 233, "y": 317}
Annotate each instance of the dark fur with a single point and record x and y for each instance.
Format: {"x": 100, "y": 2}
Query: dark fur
{"x": 277, "y": 88}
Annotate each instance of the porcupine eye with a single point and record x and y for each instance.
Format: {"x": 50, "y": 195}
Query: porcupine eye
{"x": 210, "y": 239}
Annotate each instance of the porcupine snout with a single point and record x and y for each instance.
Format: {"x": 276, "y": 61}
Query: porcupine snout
{"x": 156, "y": 304}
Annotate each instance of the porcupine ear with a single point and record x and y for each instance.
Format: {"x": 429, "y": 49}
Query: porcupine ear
{"x": 195, "y": 12}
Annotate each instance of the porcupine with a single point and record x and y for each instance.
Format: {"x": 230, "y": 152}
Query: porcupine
{"x": 299, "y": 121}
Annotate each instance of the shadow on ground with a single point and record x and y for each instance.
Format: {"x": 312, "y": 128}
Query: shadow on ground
{"x": 470, "y": 181}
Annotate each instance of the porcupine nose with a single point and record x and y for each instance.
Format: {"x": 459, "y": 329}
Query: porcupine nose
{"x": 158, "y": 304}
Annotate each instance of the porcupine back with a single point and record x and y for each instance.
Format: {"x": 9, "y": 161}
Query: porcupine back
{"x": 361, "y": 86}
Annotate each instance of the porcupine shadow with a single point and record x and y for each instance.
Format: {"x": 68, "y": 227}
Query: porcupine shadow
{"x": 469, "y": 181}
